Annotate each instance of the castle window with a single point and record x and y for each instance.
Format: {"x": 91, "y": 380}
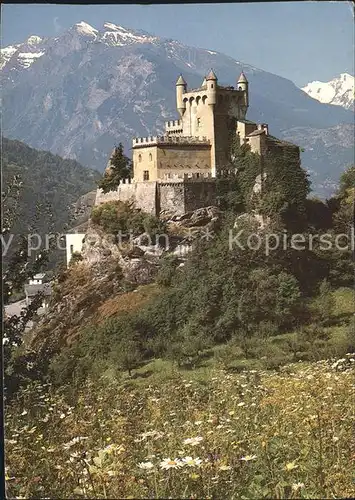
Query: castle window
{"x": 211, "y": 85}
{"x": 139, "y": 158}
{"x": 71, "y": 249}
{"x": 198, "y": 122}
{"x": 146, "y": 175}
{"x": 150, "y": 157}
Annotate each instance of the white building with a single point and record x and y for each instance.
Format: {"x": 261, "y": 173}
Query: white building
{"x": 37, "y": 279}
{"x": 74, "y": 243}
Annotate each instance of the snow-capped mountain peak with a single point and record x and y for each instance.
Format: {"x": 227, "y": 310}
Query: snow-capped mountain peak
{"x": 339, "y": 91}
{"x": 34, "y": 40}
{"x": 22, "y": 55}
{"x": 85, "y": 29}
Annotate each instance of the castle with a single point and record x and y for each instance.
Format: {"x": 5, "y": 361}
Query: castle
{"x": 176, "y": 172}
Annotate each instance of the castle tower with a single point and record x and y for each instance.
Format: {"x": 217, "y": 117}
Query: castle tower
{"x": 211, "y": 81}
{"x": 242, "y": 84}
{"x": 181, "y": 87}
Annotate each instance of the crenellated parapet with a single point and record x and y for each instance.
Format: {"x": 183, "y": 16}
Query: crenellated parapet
{"x": 167, "y": 139}
{"x": 173, "y": 124}
{"x": 193, "y": 176}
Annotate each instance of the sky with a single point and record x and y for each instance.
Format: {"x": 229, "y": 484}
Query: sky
{"x": 301, "y": 41}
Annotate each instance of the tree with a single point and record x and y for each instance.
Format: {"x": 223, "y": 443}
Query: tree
{"x": 128, "y": 355}
{"x": 325, "y": 303}
{"x": 120, "y": 167}
{"x": 19, "y": 268}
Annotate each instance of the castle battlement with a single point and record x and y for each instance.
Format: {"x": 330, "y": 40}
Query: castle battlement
{"x": 126, "y": 181}
{"x": 156, "y": 140}
{"x": 173, "y": 124}
{"x": 193, "y": 176}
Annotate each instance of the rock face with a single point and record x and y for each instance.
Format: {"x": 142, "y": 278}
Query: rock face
{"x": 138, "y": 260}
{"x": 80, "y": 93}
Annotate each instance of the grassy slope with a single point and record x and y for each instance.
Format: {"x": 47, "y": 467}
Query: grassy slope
{"x": 264, "y": 434}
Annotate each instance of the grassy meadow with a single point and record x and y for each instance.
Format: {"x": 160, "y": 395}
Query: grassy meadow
{"x": 255, "y": 434}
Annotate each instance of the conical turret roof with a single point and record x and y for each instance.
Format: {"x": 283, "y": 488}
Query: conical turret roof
{"x": 180, "y": 80}
{"x": 242, "y": 78}
{"x": 211, "y": 75}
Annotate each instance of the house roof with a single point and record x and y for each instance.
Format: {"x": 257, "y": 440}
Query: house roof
{"x": 39, "y": 276}
{"x": 256, "y": 132}
{"x": 277, "y": 140}
{"x": 247, "y": 121}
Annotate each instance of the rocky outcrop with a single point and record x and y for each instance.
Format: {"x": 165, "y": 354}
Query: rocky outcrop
{"x": 107, "y": 270}
{"x": 137, "y": 257}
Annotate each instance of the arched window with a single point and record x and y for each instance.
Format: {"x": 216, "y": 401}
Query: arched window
{"x": 204, "y": 99}
{"x": 198, "y": 99}
{"x": 139, "y": 158}
{"x": 150, "y": 157}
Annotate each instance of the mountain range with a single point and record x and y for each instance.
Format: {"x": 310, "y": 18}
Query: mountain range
{"x": 80, "y": 93}
{"x": 339, "y": 91}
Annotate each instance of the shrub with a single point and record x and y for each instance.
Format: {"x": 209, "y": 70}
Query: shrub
{"x": 121, "y": 217}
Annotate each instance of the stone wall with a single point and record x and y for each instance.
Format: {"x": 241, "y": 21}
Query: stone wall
{"x": 198, "y": 194}
{"x": 142, "y": 194}
{"x": 172, "y": 197}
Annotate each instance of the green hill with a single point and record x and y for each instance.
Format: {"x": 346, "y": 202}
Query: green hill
{"x": 48, "y": 181}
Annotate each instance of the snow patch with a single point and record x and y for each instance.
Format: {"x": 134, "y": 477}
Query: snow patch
{"x": 124, "y": 36}
{"x": 86, "y": 29}
{"x": 211, "y": 52}
{"x": 34, "y": 40}
{"x": 339, "y": 91}
{"x": 26, "y": 59}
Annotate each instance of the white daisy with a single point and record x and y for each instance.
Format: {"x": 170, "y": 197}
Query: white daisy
{"x": 167, "y": 463}
{"x": 193, "y": 441}
{"x": 192, "y": 462}
{"x": 146, "y": 465}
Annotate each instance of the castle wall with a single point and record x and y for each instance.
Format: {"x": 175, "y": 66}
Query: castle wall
{"x": 142, "y": 194}
{"x": 258, "y": 144}
{"x": 197, "y": 120}
{"x": 145, "y": 159}
{"x": 199, "y": 194}
{"x": 172, "y": 197}
{"x": 174, "y": 162}
{"x": 175, "y": 197}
